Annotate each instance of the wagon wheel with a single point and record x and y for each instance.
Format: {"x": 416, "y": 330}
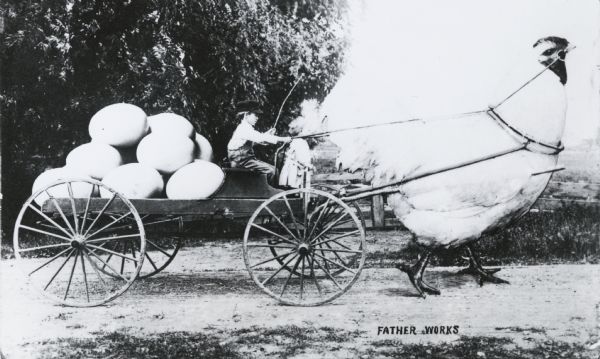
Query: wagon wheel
{"x": 317, "y": 234}
{"x": 160, "y": 250}
{"x": 62, "y": 241}
{"x": 329, "y": 189}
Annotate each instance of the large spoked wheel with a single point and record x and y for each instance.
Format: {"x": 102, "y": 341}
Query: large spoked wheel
{"x": 329, "y": 189}
{"x": 161, "y": 249}
{"x": 320, "y": 244}
{"x": 64, "y": 237}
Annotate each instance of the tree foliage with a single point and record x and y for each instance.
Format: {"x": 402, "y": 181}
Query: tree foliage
{"x": 63, "y": 60}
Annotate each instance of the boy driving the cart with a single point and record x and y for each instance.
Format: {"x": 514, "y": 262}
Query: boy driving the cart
{"x": 240, "y": 151}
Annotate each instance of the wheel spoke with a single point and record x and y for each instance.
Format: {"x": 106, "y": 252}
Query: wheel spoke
{"x": 87, "y": 291}
{"x": 326, "y": 272}
{"x": 50, "y": 261}
{"x": 55, "y": 203}
{"x": 330, "y": 226}
{"x": 281, "y": 223}
{"x": 318, "y": 218}
{"x": 330, "y": 213}
{"x": 113, "y": 252}
{"x": 109, "y": 267}
{"x": 44, "y": 232}
{"x": 71, "y": 276}
{"x": 107, "y": 260}
{"x": 111, "y": 238}
{"x": 287, "y": 204}
{"x": 99, "y": 215}
{"x": 305, "y": 199}
{"x": 338, "y": 237}
{"x": 123, "y": 259}
{"x": 59, "y": 269}
{"x": 273, "y": 234}
{"x": 272, "y": 259}
{"x": 338, "y": 250}
{"x": 279, "y": 270}
{"x": 132, "y": 247}
{"x": 313, "y": 275}
{"x": 160, "y": 249}
{"x": 151, "y": 261}
{"x": 290, "y": 276}
{"x": 108, "y": 225}
{"x": 50, "y": 220}
{"x": 335, "y": 252}
{"x": 270, "y": 246}
{"x": 43, "y": 247}
{"x": 336, "y": 263}
{"x": 87, "y": 207}
{"x": 75, "y": 221}
{"x": 302, "y": 277}
{"x": 94, "y": 267}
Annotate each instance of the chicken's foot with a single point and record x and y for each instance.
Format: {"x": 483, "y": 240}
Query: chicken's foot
{"x": 476, "y": 269}
{"x": 415, "y": 274}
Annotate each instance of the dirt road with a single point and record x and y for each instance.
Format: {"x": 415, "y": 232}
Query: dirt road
{"x": 206, "y": 290}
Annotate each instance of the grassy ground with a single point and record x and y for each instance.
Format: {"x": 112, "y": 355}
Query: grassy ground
{"x": 291, "y": 341}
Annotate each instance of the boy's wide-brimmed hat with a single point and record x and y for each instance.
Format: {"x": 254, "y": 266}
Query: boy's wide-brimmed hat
{"x": 249, "y": 106}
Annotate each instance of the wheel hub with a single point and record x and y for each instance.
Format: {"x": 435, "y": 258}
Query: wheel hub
{"x": 303, "y": 249}
{"x": 76, "y": 242}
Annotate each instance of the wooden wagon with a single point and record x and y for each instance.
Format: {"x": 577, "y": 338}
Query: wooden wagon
{"x": 301, "y": 246}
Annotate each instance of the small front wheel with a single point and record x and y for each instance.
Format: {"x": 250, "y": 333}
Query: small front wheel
{"x": 311, "y": 249}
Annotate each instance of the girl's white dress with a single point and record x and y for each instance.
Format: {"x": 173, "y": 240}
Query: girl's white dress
{"x": 297, "y": 158}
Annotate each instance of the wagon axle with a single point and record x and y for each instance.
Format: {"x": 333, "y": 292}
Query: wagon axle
{"x": 77, "y": 241}
{"x": 304, "y": 249}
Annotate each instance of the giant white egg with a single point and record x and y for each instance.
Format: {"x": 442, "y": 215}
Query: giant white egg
{"x": 197, "y": 180}
{"x": 119, "y": 124}
{"x": 170, "y": 124}
{"x": 79, "y": 189}
{"x": 203, "y": 150}
{"x": 94, "y": 159}
{"x": 165, "y": 153}
{"x": 133, "y": 180}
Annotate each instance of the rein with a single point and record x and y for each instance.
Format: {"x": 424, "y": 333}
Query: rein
{"x": 526, "y": 139}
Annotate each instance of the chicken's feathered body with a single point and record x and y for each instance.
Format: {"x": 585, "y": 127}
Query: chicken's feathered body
{"x": 451, "y": 208}
{"x": 448, "y": 209}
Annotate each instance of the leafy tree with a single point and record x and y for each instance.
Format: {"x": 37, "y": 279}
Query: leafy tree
{"x": 63, "y": 60}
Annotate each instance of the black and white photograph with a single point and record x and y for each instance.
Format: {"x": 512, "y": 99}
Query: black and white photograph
{"x": 300, "y": 179}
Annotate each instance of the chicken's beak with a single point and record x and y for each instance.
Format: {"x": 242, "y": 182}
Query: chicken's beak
{"x": 562, "y": 54}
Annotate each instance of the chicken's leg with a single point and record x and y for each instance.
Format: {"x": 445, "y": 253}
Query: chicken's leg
{"x": 415, "y": 274}
{"x": 476, "y": 269}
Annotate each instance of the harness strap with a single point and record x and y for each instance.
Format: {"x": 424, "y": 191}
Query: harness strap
{"x": 527, "y": 140}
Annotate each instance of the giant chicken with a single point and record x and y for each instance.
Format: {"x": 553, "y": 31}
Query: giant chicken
{"x": 473, "y": 173}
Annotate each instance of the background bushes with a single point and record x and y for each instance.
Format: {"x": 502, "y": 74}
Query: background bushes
{"x": 63, "y": 60}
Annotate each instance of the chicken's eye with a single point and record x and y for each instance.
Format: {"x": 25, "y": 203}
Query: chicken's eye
{"x": 548, "y": 52}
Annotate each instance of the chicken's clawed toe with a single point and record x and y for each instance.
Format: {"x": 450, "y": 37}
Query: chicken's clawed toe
{"x": 429, "y": 289}
{"x": 476, "y": 269}
{"x": 473, "y": 270}
{"x": 415, "y": 275}
{"x": 486, "y": 276}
